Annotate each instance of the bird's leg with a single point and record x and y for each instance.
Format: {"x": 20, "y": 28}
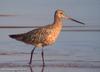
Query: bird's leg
{"x": 42, "y": 54}
{"x": 31, "y": 55}
{"x": 42, "y": 70}
{"x": 31, "y": 68}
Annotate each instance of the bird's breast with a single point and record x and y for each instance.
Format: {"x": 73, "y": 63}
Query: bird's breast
{"x": 51, "y": 38}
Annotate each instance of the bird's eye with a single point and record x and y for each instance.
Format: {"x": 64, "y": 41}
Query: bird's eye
{"x": 61, "y": 13}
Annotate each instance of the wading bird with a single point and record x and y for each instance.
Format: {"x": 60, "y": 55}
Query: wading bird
{"x": 44, "y": 35}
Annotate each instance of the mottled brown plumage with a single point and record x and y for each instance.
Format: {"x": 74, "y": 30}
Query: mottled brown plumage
{"x": 42, "y": 36}
{"x": 45, "y": 35}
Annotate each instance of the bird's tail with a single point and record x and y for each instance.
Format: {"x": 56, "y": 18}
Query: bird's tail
{"x": 17, "y": 36}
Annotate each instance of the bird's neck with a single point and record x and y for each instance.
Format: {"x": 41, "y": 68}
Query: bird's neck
{"x": 57, "y": 25}
{"x": 57, "y": 21}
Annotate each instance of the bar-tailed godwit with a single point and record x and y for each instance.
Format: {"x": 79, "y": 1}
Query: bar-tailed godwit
{"x": 44, "y": 35}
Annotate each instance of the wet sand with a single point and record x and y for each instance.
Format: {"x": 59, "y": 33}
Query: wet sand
{"x": 73, "y": 52}
{"x": 19, "y": 63}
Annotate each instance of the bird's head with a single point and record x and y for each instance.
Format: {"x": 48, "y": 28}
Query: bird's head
{"x": 60, "y": 14}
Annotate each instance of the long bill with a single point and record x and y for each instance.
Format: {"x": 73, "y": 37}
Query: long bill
{"x": 77, "y": 21}
{"x": 68, "y": 17}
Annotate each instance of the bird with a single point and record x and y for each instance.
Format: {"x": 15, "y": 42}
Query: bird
{"x": 44, "y": 35}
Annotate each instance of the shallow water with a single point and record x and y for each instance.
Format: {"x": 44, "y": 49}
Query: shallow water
{"x": 74, "y": 51}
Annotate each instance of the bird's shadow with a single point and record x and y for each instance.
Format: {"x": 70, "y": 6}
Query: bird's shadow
{"x": 32, "y": 68}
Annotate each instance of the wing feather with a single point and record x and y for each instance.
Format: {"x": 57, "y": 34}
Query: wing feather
{"x": 38, "y": 35}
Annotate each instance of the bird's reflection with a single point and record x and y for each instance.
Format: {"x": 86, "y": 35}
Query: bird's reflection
{"x": 32, "y": 68}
